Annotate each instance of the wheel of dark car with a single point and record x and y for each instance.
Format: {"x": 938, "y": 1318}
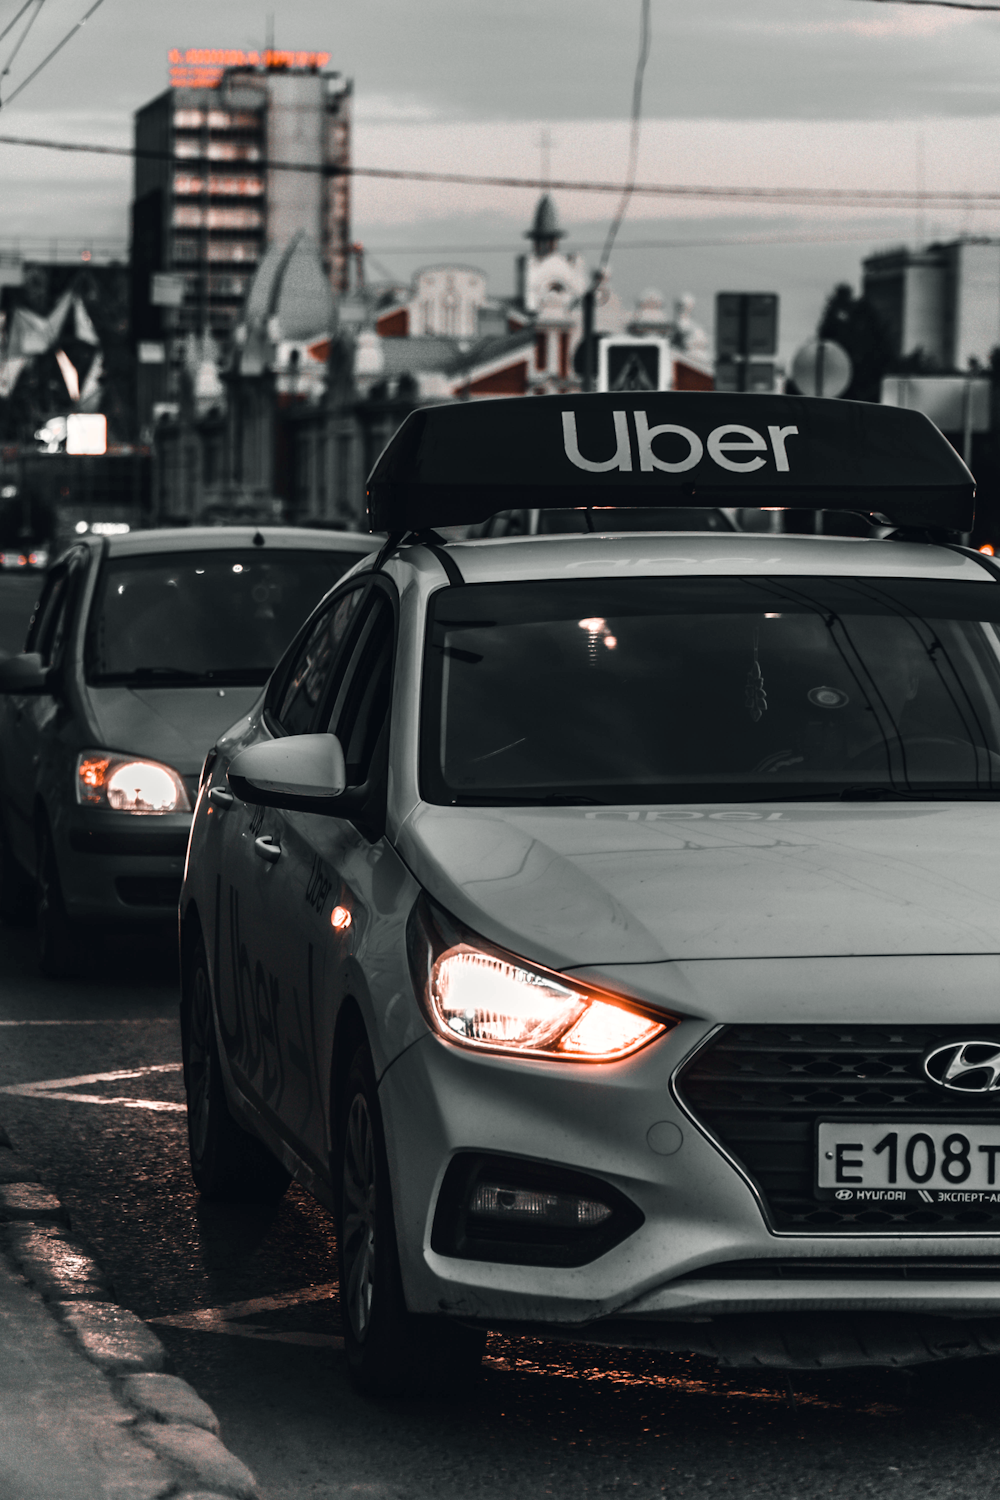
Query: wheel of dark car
{"x": 17, "y": 889}
{"x": 389, "y": 1349}
{"x": 63, "y": 945}
{"x": 227, "y": 1163}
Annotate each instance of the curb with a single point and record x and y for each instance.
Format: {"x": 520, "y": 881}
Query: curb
{"x": 163, "y": 1412}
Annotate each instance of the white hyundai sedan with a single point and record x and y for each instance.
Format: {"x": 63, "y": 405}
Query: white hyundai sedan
{"x": 606, "y": 927}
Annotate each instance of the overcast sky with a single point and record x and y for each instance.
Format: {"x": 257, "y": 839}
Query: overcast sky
{"x": 820, "y": 92}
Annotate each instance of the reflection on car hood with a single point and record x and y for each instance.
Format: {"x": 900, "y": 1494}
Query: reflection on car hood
{"x": 574, "y": 886}
{"x": 178, "y": 725}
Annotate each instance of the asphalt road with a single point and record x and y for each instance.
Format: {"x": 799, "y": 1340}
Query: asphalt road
{"x": 546, "y": 1420}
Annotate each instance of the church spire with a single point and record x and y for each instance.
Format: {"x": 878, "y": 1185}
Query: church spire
{"x": 546, "y": 231}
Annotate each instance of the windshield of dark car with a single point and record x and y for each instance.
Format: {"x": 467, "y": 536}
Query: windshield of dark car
{"x": 212, "y": 617}
{"x": 711, "y": 688}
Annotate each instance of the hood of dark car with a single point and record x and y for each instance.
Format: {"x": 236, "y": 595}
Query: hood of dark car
{"x": 177, "y": 725}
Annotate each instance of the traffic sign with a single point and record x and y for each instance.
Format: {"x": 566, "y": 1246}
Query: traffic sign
{"x": 633, "y": 364}
{"x": 746, "y": 323}
{"x": 822, "y": 368}
{"x": 744, "y": 375}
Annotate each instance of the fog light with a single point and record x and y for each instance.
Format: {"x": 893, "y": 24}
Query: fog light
{"x": 528, "y": 1213}
{"x": 529, "y": 1206}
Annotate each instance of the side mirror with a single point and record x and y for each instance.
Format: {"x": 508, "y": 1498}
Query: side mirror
{"x": 304, "y": 772}
{"x": 23, "y": 674}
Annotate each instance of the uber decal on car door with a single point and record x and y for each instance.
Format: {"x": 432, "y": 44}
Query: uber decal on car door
{"x": 267, "y": 963}
{"x": 315, "y": 899}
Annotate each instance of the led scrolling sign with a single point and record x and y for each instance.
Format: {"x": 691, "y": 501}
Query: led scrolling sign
{"x": 203, "y": 67}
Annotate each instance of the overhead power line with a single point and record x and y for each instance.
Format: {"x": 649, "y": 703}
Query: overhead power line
{"x": 635, "y": 126}
{"x": 11, "y": 24}
{"x": 942, "y": 4}
{"x": 55, "y": 51}
{"x": 722, "y": 242}
{"x": 802, "y": 196}
{"x": 21, "y": 40}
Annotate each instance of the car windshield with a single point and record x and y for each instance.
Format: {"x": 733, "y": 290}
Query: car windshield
{"x": 711, "y": 689}
{"x": 214, "y": 617}
{"x": 675, "y": 518}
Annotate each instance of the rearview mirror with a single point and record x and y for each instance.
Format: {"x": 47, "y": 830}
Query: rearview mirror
{"x": 303, "y": 772}
{"x": 23, "y": 674}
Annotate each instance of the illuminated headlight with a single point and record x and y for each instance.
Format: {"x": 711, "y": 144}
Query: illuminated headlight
{"x": 486, "y": 999}
{"x": 124, "y": 783}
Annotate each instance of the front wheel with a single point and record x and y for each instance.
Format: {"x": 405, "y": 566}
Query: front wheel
{"x": 389, "y": 1349}
{"x": 227, "y": 1164}
{"x": 17, "y": 889}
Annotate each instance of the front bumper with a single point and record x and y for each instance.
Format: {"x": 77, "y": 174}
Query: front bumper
{"x": 122, "y": 868}
{"x": 698, "y": 1211}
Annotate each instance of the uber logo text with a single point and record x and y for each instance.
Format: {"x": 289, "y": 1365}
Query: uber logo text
{"x": 725, "y": 444}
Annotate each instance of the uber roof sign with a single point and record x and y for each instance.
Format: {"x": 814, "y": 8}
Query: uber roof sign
{"x": 448, "y": 465}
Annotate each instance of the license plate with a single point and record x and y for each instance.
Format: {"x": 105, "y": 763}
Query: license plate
{"x": 908, "y": 1163}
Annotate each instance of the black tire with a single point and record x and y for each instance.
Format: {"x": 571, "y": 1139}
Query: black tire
{"x": 17, "y": 889}
{"x": 228, "y": 1164}
{"x": 63, "y": 945}
{"x": 389, "y": 1350}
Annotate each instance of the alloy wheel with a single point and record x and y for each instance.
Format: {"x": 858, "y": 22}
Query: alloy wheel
{"x": 199, "y": 1064}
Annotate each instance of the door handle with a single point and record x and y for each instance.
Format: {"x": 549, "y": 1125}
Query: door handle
{"x": 267, "y": 848}
{"x": 220, "y": 798}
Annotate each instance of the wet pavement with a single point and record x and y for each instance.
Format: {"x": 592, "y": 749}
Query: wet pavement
{"x": 247, "y": 1299}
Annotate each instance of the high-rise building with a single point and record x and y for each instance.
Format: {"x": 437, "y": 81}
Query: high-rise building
{"x": 240, "y": 153}
{"x": 943, "y": 300}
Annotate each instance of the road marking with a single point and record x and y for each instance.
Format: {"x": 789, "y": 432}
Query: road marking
{"x": 219, "y": 1319}
{"x": 58, "y": 1088}
{"x": 107, "y": 1021}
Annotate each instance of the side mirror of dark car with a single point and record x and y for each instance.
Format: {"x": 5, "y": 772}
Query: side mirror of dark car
{"x": 302, "y": 772}
{"x": 23, "y": 674}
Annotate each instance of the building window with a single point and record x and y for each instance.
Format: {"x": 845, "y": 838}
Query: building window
{"x": 232, "y": 151}
{"x": 228, "y": 286}
{"x": 188, "y": 216}
{"x": 222, "y": 187}
{"x": 564, "y": 356}
{"x": 245, "y": 252}
{"x": 188, "y": 119}
{"x": 343, "y": 499}
{"x": 320, "y": 509}
{"x": 541, "y": 350}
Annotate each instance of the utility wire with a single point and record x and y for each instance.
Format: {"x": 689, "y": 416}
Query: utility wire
{"x": 645, "y": 38}
{"x": 729, "y": 241}
{"x": 21, "y": 39}
{"x": 56, "y": 49}
{"x": 11, "y": 24}
{"x": 943, "y": 4}
{"x": 857, "y": 197}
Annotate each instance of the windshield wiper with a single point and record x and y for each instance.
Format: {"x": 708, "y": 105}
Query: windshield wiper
{"x": 937, "y": 794}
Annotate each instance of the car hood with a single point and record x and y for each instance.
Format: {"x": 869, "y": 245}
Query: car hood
{"x": 178, "y": 725}
{"x": 577, "y": 887}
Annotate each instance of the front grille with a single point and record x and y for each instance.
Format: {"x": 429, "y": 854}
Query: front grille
{"x": 760, "y": 1090}
{"x": 956, "y": 1268}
